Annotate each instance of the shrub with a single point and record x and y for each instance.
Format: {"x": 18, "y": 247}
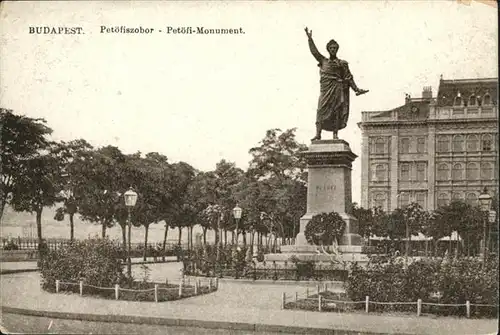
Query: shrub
{"x": 11, "y": 246}
{"x": 455, "y": 281}
{"x": 95, "y": 261}
{"x": 324, "y": 228}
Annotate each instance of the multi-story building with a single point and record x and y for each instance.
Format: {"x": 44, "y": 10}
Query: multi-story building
{"x": 432, "y": 150}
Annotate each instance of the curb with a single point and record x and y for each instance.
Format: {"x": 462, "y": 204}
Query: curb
{"x": 186, "y": 322}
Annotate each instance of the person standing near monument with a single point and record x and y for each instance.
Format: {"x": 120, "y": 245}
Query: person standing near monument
{"x": 335, "y": 81}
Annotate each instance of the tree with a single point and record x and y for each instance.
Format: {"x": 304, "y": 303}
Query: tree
{"x": 101, "y": 181}
{"x": 71, "y": 154}
{"x": 277, "y": 171}
{"x": 21, "y": 140}
{"x": 365, "y": 220}
{"x": 37, "y": 185}
{"x": 415, "y": 220}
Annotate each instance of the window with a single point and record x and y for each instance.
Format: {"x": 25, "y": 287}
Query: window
{"x": 404, "y": 199}
{"x": 472, "y": 100}
{"x": 405, "y": 146}
{"x": 379, "y": 146}
{"x": 443, "y": 144}
{"x": 472, "y": 171}
{"x": 487, "y": 99}
{"x": 486, "y": 143}
{"x": 472, "y": 143}
{"x": 421, "y": 200}
{"x": 379, "y": 200}
{"x": 458, "y": 101}
{"x": 458, "y": 143}
{"x": 421, "y": 145}
{"x": 443, "y": 172}
{"x": 486, "y": 171}
{"x": 457, "y": 172}
{"x": 443, "y": 200}
{"x": 380, "y": 172}
{"x": 421, "y": 172}
{"x": 405, "y": 172}
{"x": 457, "y": 196}
{"x": 471, "y": 199}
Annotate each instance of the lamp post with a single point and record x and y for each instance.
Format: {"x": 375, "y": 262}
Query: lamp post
{"x": 237, "y": 216}
{"x": 130, "y": 200}
{"x": 485, "y": 204}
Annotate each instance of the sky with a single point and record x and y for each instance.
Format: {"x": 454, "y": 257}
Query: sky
{"x": 203, "y": 98}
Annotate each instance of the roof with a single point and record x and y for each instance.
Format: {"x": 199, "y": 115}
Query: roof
{"x": 417, "y": 109}
{"x": 448, "y": 89}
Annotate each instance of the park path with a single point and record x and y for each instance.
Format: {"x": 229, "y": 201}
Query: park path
{"x": 234, "y": 302}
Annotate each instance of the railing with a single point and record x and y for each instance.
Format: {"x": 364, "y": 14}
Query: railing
{"x": 272, "y": 272}
{"x": 158, "y": 292}
{"x": 315, "y": 300}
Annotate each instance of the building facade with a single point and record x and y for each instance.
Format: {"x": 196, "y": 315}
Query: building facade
{"x": 432, "y": 150}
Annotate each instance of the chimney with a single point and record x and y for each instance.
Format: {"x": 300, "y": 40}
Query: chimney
{"x": 407, "y": 98}
{"x": 427, "y": 92}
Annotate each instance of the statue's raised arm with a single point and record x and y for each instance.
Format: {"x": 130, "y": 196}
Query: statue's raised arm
{"x": 319, "y": 57}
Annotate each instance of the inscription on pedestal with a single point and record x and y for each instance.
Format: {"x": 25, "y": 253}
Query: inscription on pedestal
{"x": 325, "y": 188}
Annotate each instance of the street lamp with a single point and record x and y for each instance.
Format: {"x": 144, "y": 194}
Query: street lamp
{"x": 237, "y": 216}
{"x": 130, "y": 200}
{"x": 485, "y": 205}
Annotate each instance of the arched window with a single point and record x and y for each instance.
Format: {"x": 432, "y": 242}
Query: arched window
{"x": 379, "y": 146}
{"x": 458, "y": 101}
{"x": 421, "y": 172}
{"x": 379, "y": 200}
{"x": 443, "y": 172}
{"x": 457, "y": 196}
{"x": 472, "y": 171}
{"x": 458, "y": 143}
{"x": 380, "y": 172}
{"x": 472, "y": 143}
{"x": 472, "y": 100}
{"x": 404, "y": 199}
{"x": 443, "y": 200}
{"x": 486, "y": 171}
{"x": 486, "y": 143}
{"x": 421, "y": 145}
{"x": 443, "y": 144}
{"x": 472, "y": 199}
{"x": 405, "y": 145}
{"x": 487, "y": 99}
{"x": 458, "y": 173}
{"x": 405, "y": 172}
{"x": 421, "y": 200}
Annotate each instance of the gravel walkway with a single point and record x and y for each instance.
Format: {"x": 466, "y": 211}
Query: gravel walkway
{"x": 234, "y": 302}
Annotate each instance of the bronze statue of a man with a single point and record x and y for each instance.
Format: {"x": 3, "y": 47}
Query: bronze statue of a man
{"x": 335, "y": 81}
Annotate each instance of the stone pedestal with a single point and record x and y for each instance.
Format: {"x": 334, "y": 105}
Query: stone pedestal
{"x": 329, "y": 164}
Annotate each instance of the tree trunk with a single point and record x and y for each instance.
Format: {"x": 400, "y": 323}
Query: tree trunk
{"x": 225, "y": 237}
{"x": 232, "y": 237}
{"x": 103, "y": 227}
{"x": 180, "y": 236}
{"x": 71, "y": 227}
{"x": 165, "y": 237}
{"x": 204, "y": 236}
{"x": 146, "y": 228}
{"x": 191, "y": 237}
{"x": 39, "y": 224}
{"x": 244, "y": 238}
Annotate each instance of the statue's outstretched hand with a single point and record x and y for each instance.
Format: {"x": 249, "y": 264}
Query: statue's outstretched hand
{"x": 308, "y": 32}
{"x": 360, "y": 92}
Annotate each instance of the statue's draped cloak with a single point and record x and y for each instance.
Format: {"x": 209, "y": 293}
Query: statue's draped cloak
{"x": 333, "y": 104}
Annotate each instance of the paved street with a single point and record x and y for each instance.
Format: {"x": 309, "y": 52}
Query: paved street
{"x": 40, "y": 325}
